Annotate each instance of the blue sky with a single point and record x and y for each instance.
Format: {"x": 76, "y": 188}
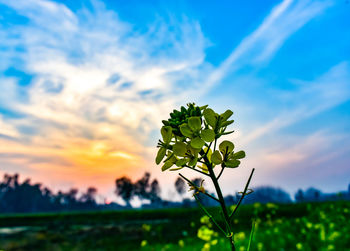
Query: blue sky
{"x": 84, "y": 86}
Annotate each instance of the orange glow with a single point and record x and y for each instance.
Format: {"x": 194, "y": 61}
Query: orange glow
{"x": 78, "y": 162}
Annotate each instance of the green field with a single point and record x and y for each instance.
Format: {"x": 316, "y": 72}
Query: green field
{"x": 307, "y": 226}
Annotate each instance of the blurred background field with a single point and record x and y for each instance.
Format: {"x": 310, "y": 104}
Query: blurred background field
{"x": 302, "y": 226}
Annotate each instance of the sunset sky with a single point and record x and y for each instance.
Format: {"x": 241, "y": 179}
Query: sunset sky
{"x": 84, "y": 86}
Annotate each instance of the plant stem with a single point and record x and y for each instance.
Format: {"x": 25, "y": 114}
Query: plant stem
{"x": 251, "y": 235}
{"x": 200, "y": 158}
{"x": 208, "y": 214}
{"x": 214, "y": 145}
{"x": 197, "y": 170}
{"x": 244, "y": 193}
{"x": 222, "y": 202}
{"x": 222, "y": 170}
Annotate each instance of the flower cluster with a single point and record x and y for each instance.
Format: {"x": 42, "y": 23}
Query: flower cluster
{"x": 188, "y": 134}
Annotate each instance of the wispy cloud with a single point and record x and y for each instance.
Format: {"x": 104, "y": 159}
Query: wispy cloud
{"x": 283, "y": 21}
{"x": 311, "y": 98}
{"x": 98, "y": 87}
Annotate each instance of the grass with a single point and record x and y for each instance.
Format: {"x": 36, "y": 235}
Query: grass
{"x": 308, "y": 226}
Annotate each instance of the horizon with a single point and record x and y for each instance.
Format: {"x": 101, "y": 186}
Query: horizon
{"x": 136, "y": 202}
{"x": 85, "y": 85}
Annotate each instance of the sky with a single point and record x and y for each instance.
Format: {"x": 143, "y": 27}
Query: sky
{"x": 84, "y": 86}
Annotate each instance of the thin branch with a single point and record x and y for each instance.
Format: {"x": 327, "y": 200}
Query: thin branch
{"x": 244, "y": 193}
{"x": 222, "y": 170}
{"x": 208, "y": 148}
{"x": 197, "y": 170}
{"x": 214, "y": 144}
{"x": 205, "y": 154}
{"x": 209, "y": 215}
{"x": 192, "y": 184}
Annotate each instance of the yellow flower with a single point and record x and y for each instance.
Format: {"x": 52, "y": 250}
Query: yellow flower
{"x": 239, "y": 236}
{"x": 299, "y": 246}
{"x": 334, "y": 236}
{"x": 257, "y": 205}
{"x": 205, "y": 233}
{"x": 330, "y": 247}
{"x": 271, "y": 205}
{"x": 205, "y": 219}
{"x": 181, "y": 243}
{"x": 143, "y": 243}
{"x": 196, "y": 189}
{"x": 146, "y": 227}
{"x": 214, "y": 242}
{"x": 206, "y": 247}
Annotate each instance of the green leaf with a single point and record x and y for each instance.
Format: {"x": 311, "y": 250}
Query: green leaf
{"x": 160, "y": 155}
{"x": 239, "y": 155}
{"x": 232, "y": 163}
{"x": 208, "y": 135}
{"x": 210, "y": 152}
{"x": 167, "y": 165}
{"x": 204, "y": 168}
{"x": 176, "y": 168}
{"x": 210, "y": 117}
{"x": 181, "y": 162}
{"x": 193, "y": 151}
{"x": 216, "y": 158}
{"x": 165, "y": 122}
{"x": 226, "y": 115}
{"x": 197, "y": 143}
{"x": 166, "y": 132}
{"x": 226, "y": 123}
{"x": 186, "y": 130}
{"x": 179, "y": 149}
{"x": 169, "y": 156}
{"x": 226, "y": 147}
{"x": 195, "y": 123}
{"x": 193, "y": 162}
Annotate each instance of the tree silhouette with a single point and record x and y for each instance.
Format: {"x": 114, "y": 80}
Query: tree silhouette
{"x": 89, "y": 197}
{"x": 299, "y": 196}
{"x": 154, "y": 194}
{"x": 264, "y": 194}
{"x": 142, "y": 186}
{"x": 125, "y": 189}
{"x": 180, "y": 186}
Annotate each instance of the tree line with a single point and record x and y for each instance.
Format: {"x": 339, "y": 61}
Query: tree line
{"x": 17, "y": 197}
{"x": 20, "y": 197}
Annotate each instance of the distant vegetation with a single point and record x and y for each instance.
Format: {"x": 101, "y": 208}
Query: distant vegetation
{"x": 25, "y": 197}
{"x": 16, "y": 197}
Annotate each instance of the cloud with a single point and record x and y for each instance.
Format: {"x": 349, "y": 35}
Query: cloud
{"x": 293, "y": 159}
{"x": 283, "y": 21}
{"x": 311, "y": 98}
{"x": 98, "y": 88}
{"x": 275, "y": 154}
